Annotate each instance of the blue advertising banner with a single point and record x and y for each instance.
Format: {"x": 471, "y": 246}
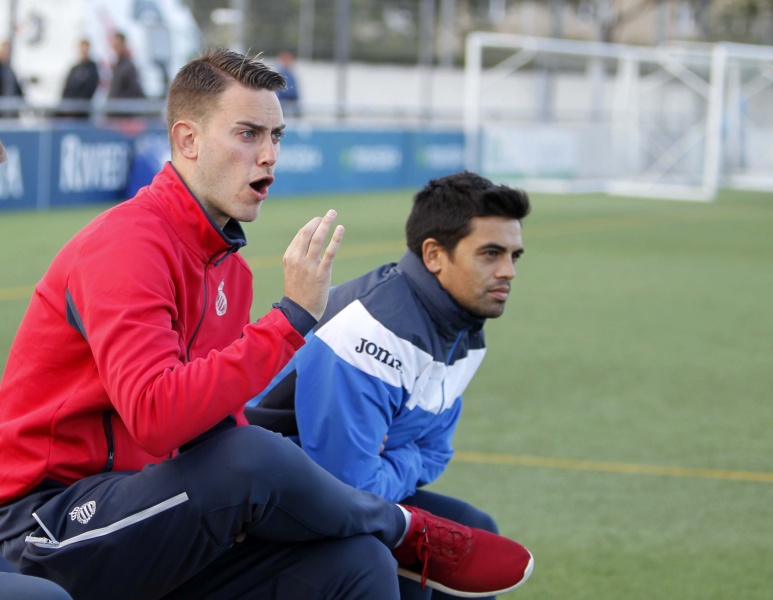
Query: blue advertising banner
{"x": 75, "y": 164}
{"x": 320, "y": 161}
{"x": 21, "y": 186}
{"x": 151, "y": 151}
{"x": 89, "y": 165}
{"x": 433, "y": 154}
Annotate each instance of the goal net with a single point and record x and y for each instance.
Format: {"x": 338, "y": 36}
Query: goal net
{"x": 673, "y": 121}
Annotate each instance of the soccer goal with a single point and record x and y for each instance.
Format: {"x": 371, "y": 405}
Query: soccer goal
{"x": 673, "y": 121}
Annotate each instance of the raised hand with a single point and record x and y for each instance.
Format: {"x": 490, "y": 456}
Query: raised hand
{"x": 307, "y": 270}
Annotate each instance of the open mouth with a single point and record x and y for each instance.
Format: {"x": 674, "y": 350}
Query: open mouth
{"x": 261, "y": 185}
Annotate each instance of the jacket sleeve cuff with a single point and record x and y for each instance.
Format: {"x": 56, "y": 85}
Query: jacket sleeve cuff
{"x": 298, "y": 316}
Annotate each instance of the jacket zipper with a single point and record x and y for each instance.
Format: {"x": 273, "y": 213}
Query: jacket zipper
{"x": 108, "y": 425}
{"x": 217, "y": 261}
{"x": 449, "y": 356}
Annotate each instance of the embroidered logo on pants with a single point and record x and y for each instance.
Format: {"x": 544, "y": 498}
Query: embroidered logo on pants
{"x": 84, "y": 512}
{"x": 221, "y": 303}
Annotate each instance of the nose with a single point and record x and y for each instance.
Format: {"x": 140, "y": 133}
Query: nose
{"x": 506, "y": 269}
{"x": 268, "y": 153}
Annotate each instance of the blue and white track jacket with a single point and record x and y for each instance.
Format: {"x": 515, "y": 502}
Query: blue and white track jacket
{"x": 390, "y": 357}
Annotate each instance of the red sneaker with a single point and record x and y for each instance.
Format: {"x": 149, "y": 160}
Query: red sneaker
{"x": 458, "y": 560}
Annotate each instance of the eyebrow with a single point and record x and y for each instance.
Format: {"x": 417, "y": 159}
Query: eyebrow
{"x": 500, "y": 248}
{"x": 256, "y": 127}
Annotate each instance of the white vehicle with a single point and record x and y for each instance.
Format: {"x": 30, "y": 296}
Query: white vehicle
{"x": 162, "y": 36}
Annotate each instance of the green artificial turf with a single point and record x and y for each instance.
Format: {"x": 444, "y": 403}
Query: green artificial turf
{"x": 620, "y": 425}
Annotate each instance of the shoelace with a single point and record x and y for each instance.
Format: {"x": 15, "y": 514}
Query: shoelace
{"x": 447, "y": 542}
{"x": 423, "y": 552}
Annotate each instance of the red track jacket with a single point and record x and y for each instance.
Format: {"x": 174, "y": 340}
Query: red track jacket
{"x": 136, "y": 340}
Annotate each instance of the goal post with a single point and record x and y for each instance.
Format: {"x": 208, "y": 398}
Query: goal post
{"x": 747, "y": 151}
{"x": 574, "y": 116}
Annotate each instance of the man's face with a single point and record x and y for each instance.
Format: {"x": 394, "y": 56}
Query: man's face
{"x": 237, "y": 151}
{"x": 479, "y": 273}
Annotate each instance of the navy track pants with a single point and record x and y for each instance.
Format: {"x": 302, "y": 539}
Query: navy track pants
{"x": 244, "y": 514}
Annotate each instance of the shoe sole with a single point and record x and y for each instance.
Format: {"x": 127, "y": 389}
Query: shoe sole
{"x": 459, "y": 594}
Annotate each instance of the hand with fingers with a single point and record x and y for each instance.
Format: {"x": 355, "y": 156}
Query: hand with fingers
{"x": 307, "y": 269}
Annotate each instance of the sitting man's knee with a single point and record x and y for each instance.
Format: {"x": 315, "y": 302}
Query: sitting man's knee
{"x": 369, "y": 561}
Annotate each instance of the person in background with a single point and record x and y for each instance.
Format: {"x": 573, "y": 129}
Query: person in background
{"x": 10, "y": 89}
{"x": 129, "y": 470}
{"x": 125, "y": 80}
{"x": 81, "y": 83}
{"x": 289, "y": 97}
{"x": 377, "y": 389}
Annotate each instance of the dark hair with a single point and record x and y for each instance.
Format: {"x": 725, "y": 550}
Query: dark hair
{"x": 195, "y": 89}
{"x": 445, "y": 207}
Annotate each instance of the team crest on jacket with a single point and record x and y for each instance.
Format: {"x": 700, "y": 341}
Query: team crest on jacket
{"x": 84, "y": 512}
{"x": 221, "y": 303}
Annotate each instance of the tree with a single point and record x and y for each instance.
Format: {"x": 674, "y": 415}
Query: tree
{"x": 742, "y": 20}
{"x": 611, "y": 15}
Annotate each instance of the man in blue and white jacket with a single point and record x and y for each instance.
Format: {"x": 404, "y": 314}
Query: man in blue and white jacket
{"x": 378, "y": 387}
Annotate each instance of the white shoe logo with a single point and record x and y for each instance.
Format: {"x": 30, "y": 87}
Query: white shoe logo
{"x": 84, "y": 513}
{"x": 221, "y": 304}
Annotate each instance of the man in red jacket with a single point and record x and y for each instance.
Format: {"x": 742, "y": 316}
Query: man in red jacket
{"x": 128, "y": 470}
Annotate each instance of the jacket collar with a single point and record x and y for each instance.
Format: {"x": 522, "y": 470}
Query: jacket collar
{"x": 188, "y": 217}
{"x": 445, "y": 312}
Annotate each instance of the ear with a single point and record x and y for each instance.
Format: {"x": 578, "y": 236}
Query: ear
{"x": 433, "y": 255}
{"x": 184, "y": 139}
